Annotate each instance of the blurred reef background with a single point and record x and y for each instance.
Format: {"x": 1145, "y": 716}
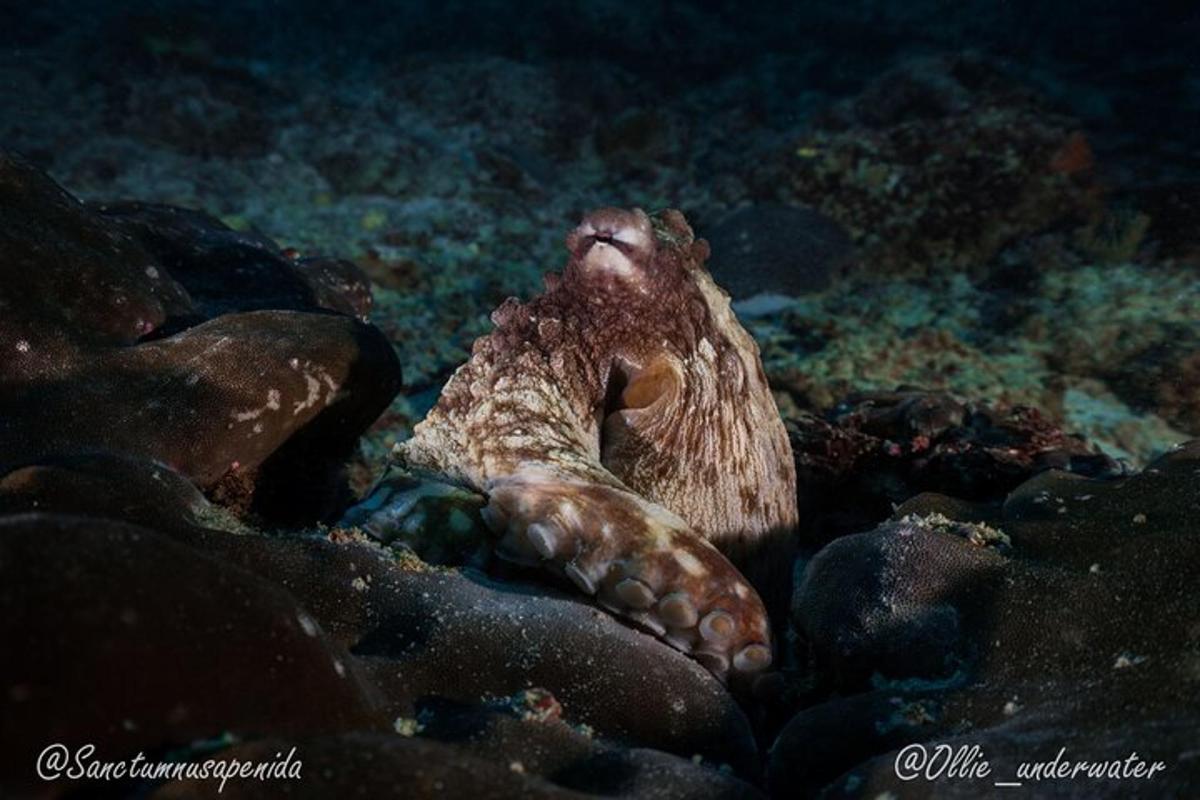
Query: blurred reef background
{"x": 996, "y": 199}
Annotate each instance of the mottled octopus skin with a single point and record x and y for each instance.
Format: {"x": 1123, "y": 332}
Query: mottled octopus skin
{"x": 622, "y": 428}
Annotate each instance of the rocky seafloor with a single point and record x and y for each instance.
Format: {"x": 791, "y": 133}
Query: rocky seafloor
{"x": 975, "y": 284}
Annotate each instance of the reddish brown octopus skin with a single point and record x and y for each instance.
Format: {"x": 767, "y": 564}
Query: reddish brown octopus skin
{"x": 622, "y": 428}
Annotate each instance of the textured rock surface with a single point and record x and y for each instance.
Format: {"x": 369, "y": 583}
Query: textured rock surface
{"x": 214, "y": 399}
{"x": 427, "y": 644}
{"x": 69, "y": 278}
{"x": 877, "y": 449}
{"x": 85, "y": 298}
{"x": 415, "y": 631}
{"x": 224, "y": 270}
{"x": 523, "y": 759}
{"x": 118, "y": 637}
{"x": 900, "y": 166}
{"x": 1082, "y": 636}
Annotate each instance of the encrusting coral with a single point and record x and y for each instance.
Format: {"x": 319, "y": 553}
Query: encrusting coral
{"x": 621, "y": 426}
{"x": 937, "y": 166}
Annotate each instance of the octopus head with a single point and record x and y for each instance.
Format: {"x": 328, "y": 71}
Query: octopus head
{"x": 616, "y": 248}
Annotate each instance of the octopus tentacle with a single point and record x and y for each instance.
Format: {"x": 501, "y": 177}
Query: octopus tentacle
{"x": 639, "y": 561}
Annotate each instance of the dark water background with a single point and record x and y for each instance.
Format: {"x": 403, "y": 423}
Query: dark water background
{"x": 1124, "y": 69}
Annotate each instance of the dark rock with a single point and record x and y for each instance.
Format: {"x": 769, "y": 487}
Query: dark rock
{"x": 819, "y": 743}
{"x": 337, "y": 284}
{"x": 214, "y": 402}
{"x": 913, "y": 585}
{"x": 506, "y": 748}
{"x": 66, "y": 277}
{"x": 876, "y": 450}
{"x": 105, "y": 486}
{"x": 119, "y": 637}
{"x": 1083, "y": 636}
{"x": 372, "y": 766}
{"x": 1038, "y": 740}
{"x": 527, "y": 730}
{"x": 260, "y": 409}
{"x": 416, "y": 631}
{"x": 623, "y": 683}
{"x": 225, "y": 270}
{"x": 777, "y": 249}
{"x": 498, "y": 757}
{"x": 421, "y": 632}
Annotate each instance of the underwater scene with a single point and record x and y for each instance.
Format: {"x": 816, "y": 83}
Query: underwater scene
{"x": 668, "y": 399}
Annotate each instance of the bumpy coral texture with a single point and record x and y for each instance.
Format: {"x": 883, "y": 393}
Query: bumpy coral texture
{"x": 622, "y": 428}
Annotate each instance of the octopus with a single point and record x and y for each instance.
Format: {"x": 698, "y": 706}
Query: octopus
{"x": 622, "y": 430}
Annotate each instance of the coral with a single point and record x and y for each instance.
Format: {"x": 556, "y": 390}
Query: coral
{"x": 1091, "y": 347}
{"x": 937, "y": 166}
{"x": 1131, "y": 328}
{"x": 621, "y": 425}
{"x": 877, "y": 449}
